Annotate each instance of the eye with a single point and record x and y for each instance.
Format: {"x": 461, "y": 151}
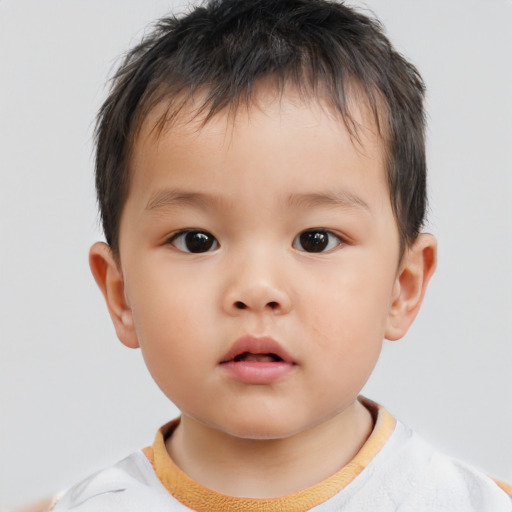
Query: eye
{"x": 316, "y": 240}
{"x": 194, "y": 241}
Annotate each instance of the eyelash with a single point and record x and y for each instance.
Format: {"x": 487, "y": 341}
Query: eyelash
{"x": 319, "y": 241}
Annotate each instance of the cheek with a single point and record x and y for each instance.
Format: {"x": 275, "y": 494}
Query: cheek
{"x": 346, "y": 317}
{"x": 168, "y": 320}
{"x": 165, "y": 297}
{"x": 352, "y": 307}
{"x": 174, "y": 344}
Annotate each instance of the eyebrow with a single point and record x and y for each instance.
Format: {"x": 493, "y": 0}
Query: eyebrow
{"x": 336, "y": 199}
{"x": 169, "y": 198}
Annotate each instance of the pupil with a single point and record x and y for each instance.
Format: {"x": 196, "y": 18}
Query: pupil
{"x": 314, "y": 241}
{"x": 198, "y": 242}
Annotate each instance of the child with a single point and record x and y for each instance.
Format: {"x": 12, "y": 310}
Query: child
{"x": 261, "y": 178}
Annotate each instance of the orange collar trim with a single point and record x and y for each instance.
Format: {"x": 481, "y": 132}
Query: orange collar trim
{"x": 202, "y": 499}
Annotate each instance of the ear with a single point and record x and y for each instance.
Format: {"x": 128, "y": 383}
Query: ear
{"x": 109, "y": 277}
{"x": 416, "y": 269}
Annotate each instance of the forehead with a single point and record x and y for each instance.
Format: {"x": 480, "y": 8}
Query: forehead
{"x": 260, "y": 140}
{"x": 363, "y": 121}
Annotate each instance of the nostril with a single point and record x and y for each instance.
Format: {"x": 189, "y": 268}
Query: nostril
{"x": 240, "y": 305}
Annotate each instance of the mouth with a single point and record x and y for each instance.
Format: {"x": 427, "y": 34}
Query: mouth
{"x": 261, "y": 358}
{"x": 257, "y": 349}
{"x": 257, "y": 360}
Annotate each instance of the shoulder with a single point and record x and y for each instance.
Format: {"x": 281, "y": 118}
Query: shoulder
{"x": 130, "y": 485}
{"x": 440, "y": 482}
{"x": 462, "y": 482}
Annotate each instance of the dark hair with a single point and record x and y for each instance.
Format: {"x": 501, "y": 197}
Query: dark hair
{"x": 223, "y": 48}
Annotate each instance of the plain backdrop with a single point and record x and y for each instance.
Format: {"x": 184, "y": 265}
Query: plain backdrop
{"x": 73, "y": 399}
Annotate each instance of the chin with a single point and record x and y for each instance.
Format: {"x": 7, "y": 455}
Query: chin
{"x": 262, "y": 428}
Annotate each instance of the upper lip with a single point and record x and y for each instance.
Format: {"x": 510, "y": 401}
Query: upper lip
{"x": 256, "y": 345}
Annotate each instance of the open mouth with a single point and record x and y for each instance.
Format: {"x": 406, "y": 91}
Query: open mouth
{"x": 259, "y": 358}
{"x": 253, "y": 349}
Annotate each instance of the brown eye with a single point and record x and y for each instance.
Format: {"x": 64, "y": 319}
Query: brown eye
{"x": 316, "y": 240}
{"x": 194, "y": 241}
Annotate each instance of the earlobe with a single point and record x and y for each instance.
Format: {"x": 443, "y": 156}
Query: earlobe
{"x": 109, "y": 278}
{"x": 418, "y": 265}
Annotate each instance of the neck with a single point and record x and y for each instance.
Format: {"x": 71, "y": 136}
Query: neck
{"x": 271, "y": 467}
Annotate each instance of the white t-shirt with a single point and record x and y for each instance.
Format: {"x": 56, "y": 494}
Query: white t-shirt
{"x": 395, "y": 470}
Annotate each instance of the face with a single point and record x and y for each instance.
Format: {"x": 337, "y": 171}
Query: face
{"x": 259, "y": 260}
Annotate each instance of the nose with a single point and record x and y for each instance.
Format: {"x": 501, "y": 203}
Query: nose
{"x": 256, "y": 287}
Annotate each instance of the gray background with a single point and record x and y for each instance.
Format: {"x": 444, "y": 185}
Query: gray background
{"x": 73, "y": 399}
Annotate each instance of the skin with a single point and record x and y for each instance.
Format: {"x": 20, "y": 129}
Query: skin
{"x": 255, "y": 183}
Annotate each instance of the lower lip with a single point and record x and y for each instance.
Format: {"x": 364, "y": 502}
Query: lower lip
{"x": 257, "y": 372}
